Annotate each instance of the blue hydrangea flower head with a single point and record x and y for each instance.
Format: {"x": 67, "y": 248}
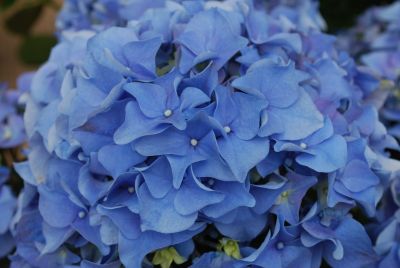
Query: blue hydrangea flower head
{"x": 214, "y": 133}
{"x": 377, "y": 47}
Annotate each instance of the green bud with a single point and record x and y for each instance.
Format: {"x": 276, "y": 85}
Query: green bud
{"x": 285, "y": 194}
{"x": 166, "y": 69}
{"x": 255, "y": 176}
{"x": 230, "y": 247}
{"x": 282, "y": 198}
{"x": 166, "y": 256}
{"x": 386, "y": 84}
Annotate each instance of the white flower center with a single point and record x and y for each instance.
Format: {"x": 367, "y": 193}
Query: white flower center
{"x": 131, "y": 190}
{"x": 167, "y": 113}
{"x": 194, "y": 142}
{"x": 7, "y": 133}
{"x": 227, "y": 129}
{"x": 303, "y": 145}
{"x": 82, "y": 214}
{"x": 280, "y": 245}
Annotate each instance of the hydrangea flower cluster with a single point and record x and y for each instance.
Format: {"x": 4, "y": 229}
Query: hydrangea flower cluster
{"x": 205, "y": 133}
{"x": 379, "y": 49}
{"x": 78, "y": 15}
{"x": 98, "y": 15}
{"x": 375, "y": 39}
{"x": 12, "y": 135}
{"x": 377, "y": 46}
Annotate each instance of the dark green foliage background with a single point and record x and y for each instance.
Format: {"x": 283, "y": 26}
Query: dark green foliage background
{"x": 341, "y": 14}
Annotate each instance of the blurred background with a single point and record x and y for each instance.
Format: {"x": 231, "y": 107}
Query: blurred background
{"x": 26, "y": 35}
{"x": 27, "y": 29}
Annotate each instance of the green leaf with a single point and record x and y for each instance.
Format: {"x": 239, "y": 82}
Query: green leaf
{"x": 22, "y": 21}
{"x": 36, "y": 49}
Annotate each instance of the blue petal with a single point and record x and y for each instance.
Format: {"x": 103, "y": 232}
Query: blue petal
{"x": 358, "y": 251}
{"x": 127, "y": 222}
{"x": 279, "y": 84}
{"x": 148, "y": 242}
{"x": 7, "y": 207}
{"x": 118, "y": 158}
{"x": 266, "y": 194}
{"x": 225, "y": 111}
{"x": 158, "y": 177}
{"x": 236, "y": 196}
{"x": 136, "y": 125}
{"x": 247, "y": 124}
{"x": 192, "y": 97}
{"x": 160, "y": 215}
{"x": 141, "y": 56}
{"x": 90, "y": 233}
{"x": 91, "y": 188}
{"x": 50, "y": 204}
{"x": 299, "y": 120}
{"x": 120, "y": 192}
{"x": 171, "y": 141}
{"x": 288, "y": 206}
{"x": 290, "y": 41}
{"x": 358, "y": 177}
{"x": 55, "y": 237}
{"x": 327, "y": 156}
{"x": 245, "y": 226}
{"x": 106, "y": 47}
{"x": 257, "y": 25}
{"x": 209, "y": 32}
{"x": 152, "y": 98}
{"x": 193, "y": 196}
{"x": 241, "y": 155}
{"x": 206, "y": 81}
